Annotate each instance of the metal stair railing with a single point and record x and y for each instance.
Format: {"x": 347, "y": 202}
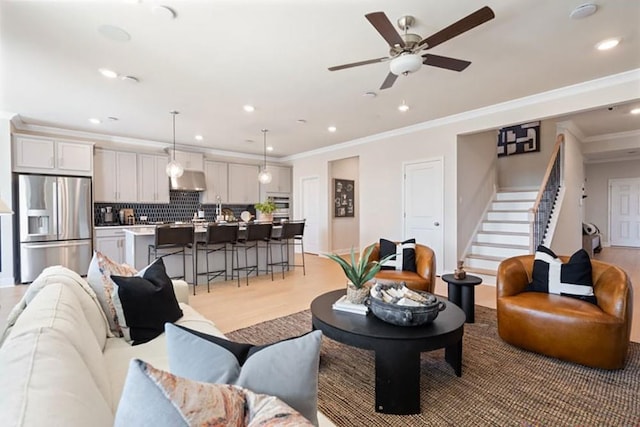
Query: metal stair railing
{"x": 540, "y": 213}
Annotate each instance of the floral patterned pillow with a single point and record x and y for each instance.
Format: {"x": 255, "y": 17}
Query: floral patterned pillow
{"x": 99, "y": 278}
{"x": 154, "y": 397}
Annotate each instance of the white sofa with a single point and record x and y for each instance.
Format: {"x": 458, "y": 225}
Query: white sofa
{"x": 58, "y": 367}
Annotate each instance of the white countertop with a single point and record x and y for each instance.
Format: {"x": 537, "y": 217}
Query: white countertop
{"x": 119, "y": 227}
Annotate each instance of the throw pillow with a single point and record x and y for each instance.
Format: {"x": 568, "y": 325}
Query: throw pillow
{"x": 99, "y": 278}
{"x": 155, "y": 398}
{"x": 286, "y": 369}
{"x": 145, "y": 302}
{"x": 572, "y": 279}
{"x": 405, "y": 258}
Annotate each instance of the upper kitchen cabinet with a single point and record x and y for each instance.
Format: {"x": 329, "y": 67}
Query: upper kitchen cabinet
{"x": 217, "y": 182}
{"x": 115, "y": 177}
{"x": 280, "y": 181}
{"x": 153, "y": 182}
{"x": 45, "y": 155}
{"x": 190, "y": 160}
{"x": 243, "y": 184}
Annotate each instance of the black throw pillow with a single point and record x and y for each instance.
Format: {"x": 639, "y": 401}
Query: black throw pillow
{"x": 572, "y": 279}
{"x": 148, "y": 302}
{"x": 405, "y": 252}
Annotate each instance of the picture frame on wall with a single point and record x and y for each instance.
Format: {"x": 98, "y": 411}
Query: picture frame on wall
{"x": 343, "y": 198}
{"x": 519, "y": 139}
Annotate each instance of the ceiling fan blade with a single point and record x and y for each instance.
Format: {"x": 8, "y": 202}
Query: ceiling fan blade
{"x": 356, "y": 64}
{"x": 389, "y": 81}
{"x": 381, "y": 23}
{"x": 445, "y": 62}
{"x": 478, "y": 17}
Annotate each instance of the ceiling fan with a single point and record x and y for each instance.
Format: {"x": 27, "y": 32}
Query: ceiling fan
{"x": 404, "y": 48}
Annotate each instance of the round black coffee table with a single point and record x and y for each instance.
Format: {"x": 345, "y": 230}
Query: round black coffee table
{"x": 397, "y": 348}
{"x": 462, "y": 293}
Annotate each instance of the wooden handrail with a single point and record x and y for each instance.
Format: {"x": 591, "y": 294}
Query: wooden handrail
{"x": 547, "y": 174}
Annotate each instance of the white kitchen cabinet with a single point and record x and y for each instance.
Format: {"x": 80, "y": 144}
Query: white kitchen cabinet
{"x": 46, "y": 155}
{"x": 216, "y": 174}
{"x": 190, "y": 160}
{"x": 115, "y": 177}
{"x": 243, "y": 183}
{"x": 280, "y": 181}
{"x": 153, "y": 182}
{"x": 111, "y": 243}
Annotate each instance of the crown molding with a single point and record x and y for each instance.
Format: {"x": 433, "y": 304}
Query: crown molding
{"x": 527, "y": 101}
{"x": 571, "y": 127}
{"x": 612, "y": 136}
{"x": 621, "y": 158}
{"x": 7, "y": 115}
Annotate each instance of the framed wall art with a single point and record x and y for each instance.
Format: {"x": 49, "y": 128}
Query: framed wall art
{"x": 343, "y": 198}
{"x": 519, "y": 139}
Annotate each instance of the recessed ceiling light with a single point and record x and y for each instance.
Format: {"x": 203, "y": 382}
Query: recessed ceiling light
{"x": 108, "y": 73}
{"x": 114, "y": 33}
{"x": 130, "y": 79}
{"x": 635, "y": 111}
{"x": 249, "y": 141}
{"x": 95, "y": 121}
{"x": 301, "y": 121}
{"x": 269, "y": 148}
{"x": 164, "y": 12}
{"x": 113, "y": 119}
{"x": 608, "y": 44}
{"x": 199, "y": 137}
{"x": 370, "y": 94}
{"x": 583, "y": 11}
{"x": 403, "y": 107}
{"x": 332, "y": 129}
{"x": 249, "y": 108}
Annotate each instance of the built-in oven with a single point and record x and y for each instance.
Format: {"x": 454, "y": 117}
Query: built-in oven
{"x": 283, "y": 206}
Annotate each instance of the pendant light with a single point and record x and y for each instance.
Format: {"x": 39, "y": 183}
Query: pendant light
{"x": 174, "y": 168}
{"x": 264, "y": 176}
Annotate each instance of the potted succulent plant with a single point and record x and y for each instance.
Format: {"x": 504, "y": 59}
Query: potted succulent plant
{"x": 265, "y": 209}
{"x": 359, "y": 273}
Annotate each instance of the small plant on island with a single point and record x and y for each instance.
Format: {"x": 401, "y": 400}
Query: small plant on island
{"x": 266, "y": 207}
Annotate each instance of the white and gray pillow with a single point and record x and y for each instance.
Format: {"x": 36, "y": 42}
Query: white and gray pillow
{"x": 286, "y": 369}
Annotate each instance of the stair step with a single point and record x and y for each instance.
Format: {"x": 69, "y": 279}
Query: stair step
{"x": 502, "y": 251}
{"x": 512, "y": 226}
{"x": 483, "y": 262}
{"x": 503, "y": 237}
{"x": 512, "y": 205}
{"x": 516, "y": 195}
{"x": 508, "y": 215}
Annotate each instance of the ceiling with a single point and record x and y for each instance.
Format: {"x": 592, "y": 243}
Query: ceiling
{"x": 217, "y": 56}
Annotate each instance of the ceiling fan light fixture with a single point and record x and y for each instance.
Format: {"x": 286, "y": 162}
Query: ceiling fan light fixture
{"x": 406, "y": 63}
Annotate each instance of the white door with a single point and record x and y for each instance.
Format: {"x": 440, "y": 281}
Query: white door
{"x": 624, "y": 208}
{"x": 310, "y": 208}
{"x": 423, "y": 206}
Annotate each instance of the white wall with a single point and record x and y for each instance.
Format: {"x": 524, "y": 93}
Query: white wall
{"x": 477, "y": 181}
{"x": 345, "y": 231}
{"x": 381, "y": 156}
{"x": 597, "y": 190}
{"x": 6, "y": 221}
{"x": 527, "y": 170}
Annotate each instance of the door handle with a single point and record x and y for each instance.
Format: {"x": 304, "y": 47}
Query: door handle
{"x": 437, "y": 224}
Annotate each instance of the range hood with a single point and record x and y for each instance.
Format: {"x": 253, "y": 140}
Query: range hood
{"x": 189, "y": 181}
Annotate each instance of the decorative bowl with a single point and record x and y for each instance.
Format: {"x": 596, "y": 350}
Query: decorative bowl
{"x": 403, "y": 315}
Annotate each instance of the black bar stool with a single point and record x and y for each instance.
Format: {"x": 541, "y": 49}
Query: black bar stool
{"x": 290, "y": 231}
{"x": 255, "y": 233}
{"x": 297, "y": 230}
{"x": 172, "y": 240}
{"x": 217, "y": 239}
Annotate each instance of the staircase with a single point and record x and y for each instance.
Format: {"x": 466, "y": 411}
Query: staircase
{"x": 504, "y": 232}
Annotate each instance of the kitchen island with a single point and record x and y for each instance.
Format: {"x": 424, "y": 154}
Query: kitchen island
{"x": 137, "y": 241}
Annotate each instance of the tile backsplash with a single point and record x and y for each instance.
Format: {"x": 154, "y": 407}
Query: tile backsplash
{"x": 181, "y": 207}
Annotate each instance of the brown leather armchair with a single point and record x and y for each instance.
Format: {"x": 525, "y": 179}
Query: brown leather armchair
{"x": 563, "y": 327}
{"x": 423, "y": 280}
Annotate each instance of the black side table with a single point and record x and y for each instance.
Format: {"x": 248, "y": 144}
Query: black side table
{"x": 462, "y": 293}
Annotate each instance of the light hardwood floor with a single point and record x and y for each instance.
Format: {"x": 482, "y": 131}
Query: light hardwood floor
{"x": 232, "y": 307}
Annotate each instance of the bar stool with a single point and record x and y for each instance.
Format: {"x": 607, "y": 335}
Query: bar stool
{"x": 298, "y": 234}
{"x": 289, "y": 232}
{"x": 217, "y": 239}
{"x": 256, "y": 233}
{"x": 172, "y": 240}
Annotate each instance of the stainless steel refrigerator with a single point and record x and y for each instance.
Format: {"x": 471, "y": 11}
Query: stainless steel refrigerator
{"x": 54, "y": 221}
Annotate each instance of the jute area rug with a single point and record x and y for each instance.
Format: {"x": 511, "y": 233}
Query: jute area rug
{"x": 500, "y": 385}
